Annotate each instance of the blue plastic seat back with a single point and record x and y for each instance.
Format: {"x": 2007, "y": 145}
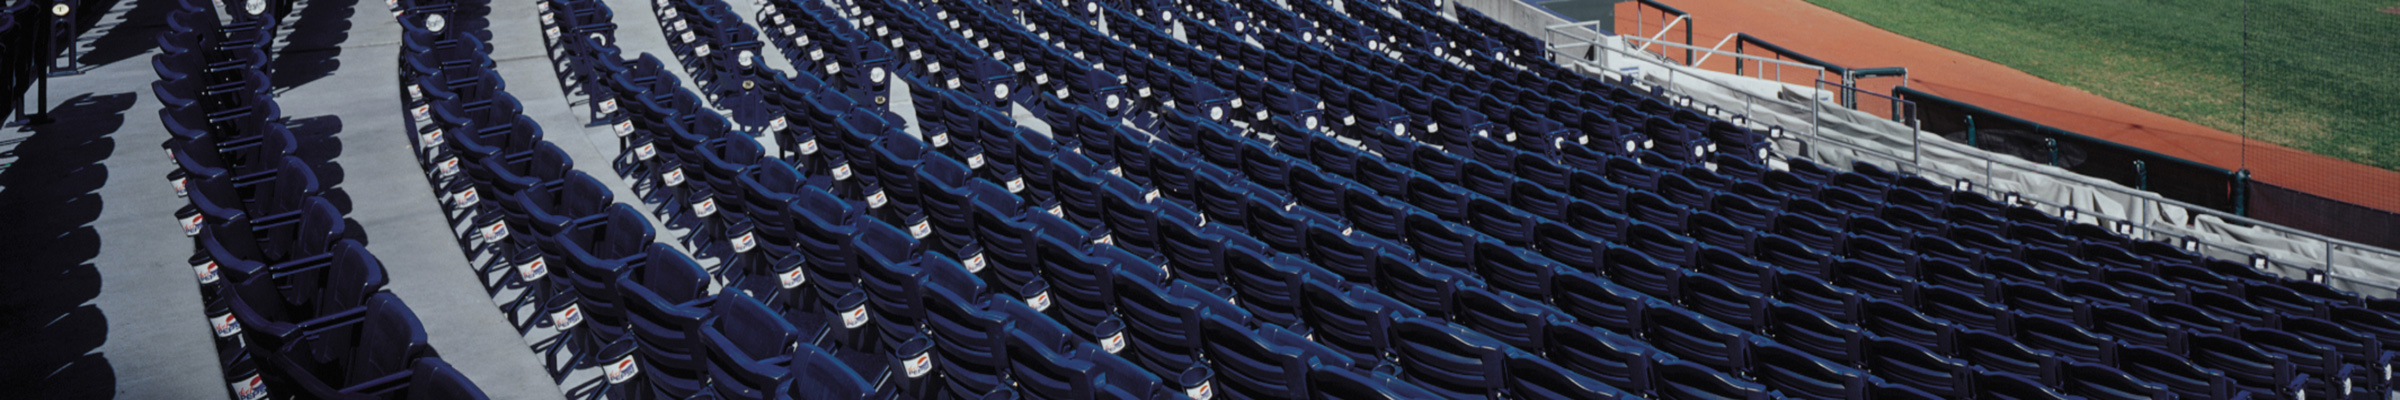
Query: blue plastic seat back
{"x": 1812, "y": 332}
{"x": 1717, "y": 231}
{"x": 1450, "y": 359}
{"x": 1614, "y": 359}
{"x": 1600, "y": 302}
{"x": 1516, "y": 269}
{"x": 1893, "y": 319}
{"x": 1910, "y": 365}
{"x": 1270, "y": 288}
{"x": 2095, "y": 381}
{"x": 666, "y": 299}
{"x": 1163, "y": 321}
{"x": 1515, "y": 320}
{"x": 816, "y": 374}
{"x": 1714, "y": 298}
{"x": 1687, "y": 380}
{"x": 1266, "y": 362}
{"x": 2245, "y": 362}
{"x": 1428, "y": 286}
{"x": 1797, "y": 375}
{"x": 2003, "y": 354}
{"x": 1639, "y": 270}
{"x": 2001, "y": 385}
{"x": 1353, "y": 319}
{"x": 1345, "y": 384}
{"x": 745, "y": 343}
{"x": 1697, "y": 338}
{"x": 1965, "y": 309}
{"x": 434, "y": 379}
{"x": 1735, "y": 269}
{"x": 2182, "y": 377}
{"x": 1531, "y": 376}
{"x": 1786, "y": 252}
{"x": 387, "y": 340}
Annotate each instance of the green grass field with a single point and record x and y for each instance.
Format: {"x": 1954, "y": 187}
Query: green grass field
{"x": 2321, "y": 75}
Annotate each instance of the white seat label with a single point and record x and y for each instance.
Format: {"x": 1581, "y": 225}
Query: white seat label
{"x": 568, "y": 318}
{"x": 622, "y": 370}
{"x": 793, "y": 278}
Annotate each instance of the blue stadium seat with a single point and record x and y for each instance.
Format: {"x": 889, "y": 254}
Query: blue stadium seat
{"x": 1687, "y": 380}
{"x": 352, "y": 359}
{"x": 1449, "y": 359}
{"x": 666, "y": 299}
{"x": 1914, "y": 366}
{"x": 1796, "y": 375}
{"x": 745, "y": 344}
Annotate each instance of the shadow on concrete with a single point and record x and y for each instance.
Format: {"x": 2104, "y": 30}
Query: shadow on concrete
{"x": 133, "y": 35}
{"x": 48, "y": 328}
{"x": 314, "y": 47}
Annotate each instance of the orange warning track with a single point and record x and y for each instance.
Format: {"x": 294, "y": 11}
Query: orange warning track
{"x": 1826, "y": 35}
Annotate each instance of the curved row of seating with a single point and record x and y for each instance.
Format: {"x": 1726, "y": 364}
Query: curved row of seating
{"x": 560, "y": 246}
{"x": 2370, "y": 353}
{"x": 820, "y": 263}
{"x": 297, "y": 304}
{"x": 1194, "y": 203}
{"x": 2319, "y": 358}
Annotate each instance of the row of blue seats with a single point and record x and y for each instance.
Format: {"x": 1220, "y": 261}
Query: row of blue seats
{"x": 904, "y": 200}
{"x": 521, "y": 197}
{"x": 710, "y": 159}
{"x": 297, "y": 305}
{"x": 1057, "y": 124}
{"x": 903, "y": 196}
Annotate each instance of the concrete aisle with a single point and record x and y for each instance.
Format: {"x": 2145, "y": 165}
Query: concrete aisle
{"x": 350, "y": 85}
{"x": 98, "y": 300}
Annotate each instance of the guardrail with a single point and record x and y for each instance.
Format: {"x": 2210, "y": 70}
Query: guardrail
{"x": 1599, "y": 56}
{"x": 1680, "y": 17}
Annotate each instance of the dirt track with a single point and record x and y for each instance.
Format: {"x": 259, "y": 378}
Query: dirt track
{"x": 1833, "y": 37}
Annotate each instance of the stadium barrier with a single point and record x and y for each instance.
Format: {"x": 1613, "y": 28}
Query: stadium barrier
{"x": 2313, "y": 213}
{"x": 1834, "y": 135}
{"x": 2172, "y": 177}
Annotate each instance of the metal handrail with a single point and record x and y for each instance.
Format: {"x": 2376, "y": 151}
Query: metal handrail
{"x": 1662, "y": 32}
{"x": 1719, "y": 47}
{"x": 1710, "y": 51}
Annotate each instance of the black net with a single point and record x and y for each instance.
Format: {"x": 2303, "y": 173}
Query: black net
{"x": 2329, "y": 217}
{"x": 2173, "y": 178}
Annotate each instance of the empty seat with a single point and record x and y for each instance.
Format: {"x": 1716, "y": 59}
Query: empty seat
{"x": 1684, "y": 380}
{"x": 384, "y": 343}
{"x": 1797, "y": 375}
{"x": 1914, "y": 366}
{"x": 2095, "y": 381}
{"x": 2179, "y": 376}
{"x": 1698, "y": 339}
{"x": 745, "y": 343}
{"x": 1614, "y": 359}
{"x": 1449, "y": 359}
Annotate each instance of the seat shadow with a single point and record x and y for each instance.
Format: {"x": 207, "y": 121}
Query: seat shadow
{"x": 47, "y": 326}
{"x": 132, "y": 36}
{"x": 314, "y": 47}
